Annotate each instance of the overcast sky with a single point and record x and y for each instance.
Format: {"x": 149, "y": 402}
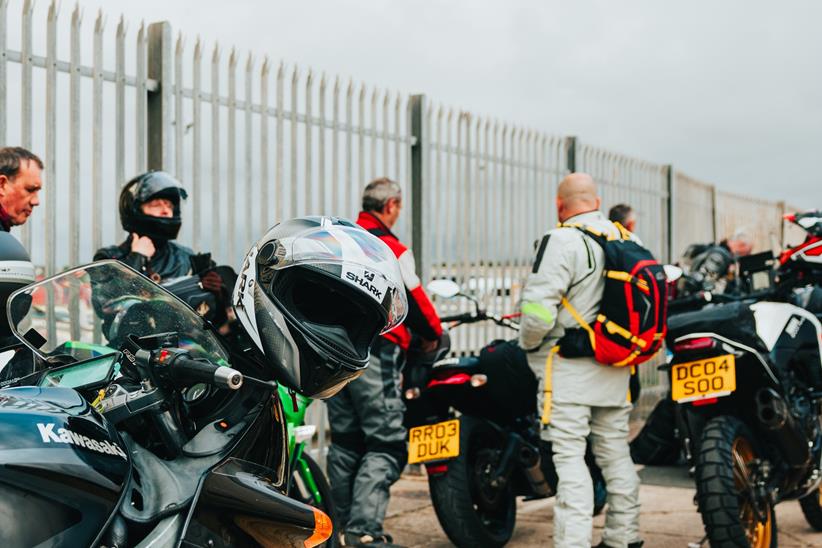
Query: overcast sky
{"x": 729, "y": 92}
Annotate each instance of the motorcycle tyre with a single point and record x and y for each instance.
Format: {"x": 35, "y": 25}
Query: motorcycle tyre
{"x": 715, "y": 490}
{"x": 451, "y": 494}
{"x": 656, "y": 443}
{"x": 324, "y": 489}
{"x": 812, "y": 508}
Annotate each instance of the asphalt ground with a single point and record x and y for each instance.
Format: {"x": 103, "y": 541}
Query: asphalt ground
{"x": 669, "y": 518}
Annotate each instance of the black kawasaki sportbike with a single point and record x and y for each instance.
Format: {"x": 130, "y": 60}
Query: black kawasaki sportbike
{"x": 137, "y": 428}
{"x": 473, "y": 423}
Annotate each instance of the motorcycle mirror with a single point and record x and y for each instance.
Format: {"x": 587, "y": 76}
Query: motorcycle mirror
{"x": 446, "y": 289}
{"x": 673, "y": 273}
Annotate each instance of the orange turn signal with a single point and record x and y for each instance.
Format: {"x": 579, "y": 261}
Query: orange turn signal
{"x": 323, "y": 529}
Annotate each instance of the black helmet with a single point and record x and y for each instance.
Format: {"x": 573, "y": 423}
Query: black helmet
{"x": 313, "y": 294}
{"x": 16, "y": 271}
{"x": 146, "y": 187}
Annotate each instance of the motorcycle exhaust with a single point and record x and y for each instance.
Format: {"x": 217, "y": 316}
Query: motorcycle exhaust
{"x": 530, "y": 461}
{"x": 773, "y": 413}
{"x": 518, "y": 452}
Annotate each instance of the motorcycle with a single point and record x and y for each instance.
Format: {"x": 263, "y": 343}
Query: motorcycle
{"x": 474, "y": 426}
{"x": 793, "y": 274}
{"x": 138, "y": 428}
{"x": 746, "y": 379}
{"x": 307, "y": 483}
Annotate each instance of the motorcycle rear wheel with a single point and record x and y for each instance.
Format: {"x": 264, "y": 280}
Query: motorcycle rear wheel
{"x": 722, "y": 477}
{"x": 472, "y": 512}
{"x": 812, "y": 508}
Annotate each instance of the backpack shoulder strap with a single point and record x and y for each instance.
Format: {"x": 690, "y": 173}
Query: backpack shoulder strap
{"x": 598, "y": 236}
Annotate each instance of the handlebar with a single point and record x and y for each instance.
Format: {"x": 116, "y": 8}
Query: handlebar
{"x": 466, "y": 317}
{"x": 706, "y": 297}
{"x": 181, "y": 368}
{"x": 480, "y": 316}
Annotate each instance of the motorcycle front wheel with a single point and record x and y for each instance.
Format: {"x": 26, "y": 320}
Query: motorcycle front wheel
{"x": 724, "y": 488}
{"x": 812, "y": 508}
{"x": 320, "y": 498}
{"x": 472, "y": 512}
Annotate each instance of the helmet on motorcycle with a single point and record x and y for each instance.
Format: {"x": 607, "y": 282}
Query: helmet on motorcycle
{"x": 16, "y": 271}
{"x": 144, "y": 188}
{"x": 313, "y": 294}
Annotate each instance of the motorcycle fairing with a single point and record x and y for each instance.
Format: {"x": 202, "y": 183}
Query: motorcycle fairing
{"x": 238, "y": 504}
{"x": 58, "y": 458}
{"x": 807, "y": 252}
{"x": 774, "y": 319}
{"x": 164, "y": 486}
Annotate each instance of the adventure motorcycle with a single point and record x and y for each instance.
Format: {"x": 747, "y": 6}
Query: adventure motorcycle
{"x": 473, "y": 424}
{"x": 166, "y": 441}
{"x": 746, "y": 375}
{"x": 795, "y": 276}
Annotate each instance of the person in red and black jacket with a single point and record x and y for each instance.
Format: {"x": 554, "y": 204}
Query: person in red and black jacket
{"x": 368, "y": 440}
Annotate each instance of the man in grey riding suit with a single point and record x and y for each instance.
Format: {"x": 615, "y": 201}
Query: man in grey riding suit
{"x": 368, "y": 440}
{"x": 584, "y": 398}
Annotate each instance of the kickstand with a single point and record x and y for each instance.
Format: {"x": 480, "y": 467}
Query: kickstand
{"x": 699, "y": 544}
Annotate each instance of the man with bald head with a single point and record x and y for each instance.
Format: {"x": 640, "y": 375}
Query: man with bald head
{"x": 578, "y": 396}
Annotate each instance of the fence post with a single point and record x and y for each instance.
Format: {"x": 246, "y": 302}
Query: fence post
{"x": 672, "y": 217}
{"x": 781, "y": 207}
{"x": 419, "y": 161}
{"x": 715, "y": 212}
{"x": 571, "y": 154}
{"x": 158, "y": 102}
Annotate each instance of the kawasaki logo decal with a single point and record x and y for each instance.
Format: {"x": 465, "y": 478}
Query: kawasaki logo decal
{"x": 64, "y": 435}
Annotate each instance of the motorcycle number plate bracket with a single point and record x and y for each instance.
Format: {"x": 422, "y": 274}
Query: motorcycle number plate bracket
{"x": 712, "y": 377}
{"x": 432, "y": 442}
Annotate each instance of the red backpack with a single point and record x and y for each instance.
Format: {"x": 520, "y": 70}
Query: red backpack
{"x": 631, "y": 323}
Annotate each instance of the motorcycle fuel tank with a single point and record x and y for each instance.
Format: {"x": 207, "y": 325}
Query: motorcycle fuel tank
{"x": 62, "y": 468}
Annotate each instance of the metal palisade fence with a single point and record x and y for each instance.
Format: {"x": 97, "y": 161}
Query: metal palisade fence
{"x": 256, "y": 142}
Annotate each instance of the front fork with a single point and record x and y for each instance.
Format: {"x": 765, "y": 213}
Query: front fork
{"x": 300, "y": 466}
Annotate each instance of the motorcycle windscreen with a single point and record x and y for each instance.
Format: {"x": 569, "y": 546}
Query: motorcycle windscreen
{"x": 88, "y": 311}
{"x": 238, "y": 505}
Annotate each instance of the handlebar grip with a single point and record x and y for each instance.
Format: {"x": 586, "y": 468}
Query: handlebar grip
{"x": 187, "y": 370}
{"x": 464, "y": 317}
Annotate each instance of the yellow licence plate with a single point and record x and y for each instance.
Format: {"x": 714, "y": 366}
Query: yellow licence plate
{"x": 709, "y": 378}
{"x": 434, "y": 441}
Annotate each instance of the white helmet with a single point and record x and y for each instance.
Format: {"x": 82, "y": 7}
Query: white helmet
{"x": 313, "y": 294}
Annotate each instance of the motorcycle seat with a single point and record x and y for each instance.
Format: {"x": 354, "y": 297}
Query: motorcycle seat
{"x": 461, "y": 363}
{"x": 734, "y": 321}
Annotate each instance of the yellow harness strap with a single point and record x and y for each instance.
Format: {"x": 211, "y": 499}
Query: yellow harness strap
{"x": 587, "y": 229}
{"x": 548, "y": 389}
{"x": 579, "y": 319}
{"x": 624, "y": 232}
{"x": 627, "y": 278}
{"x": 614, "y": 328}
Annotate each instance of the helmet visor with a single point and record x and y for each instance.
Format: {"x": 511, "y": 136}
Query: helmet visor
{"x": 159, "y": 182}
{"x": 357, "y": 257}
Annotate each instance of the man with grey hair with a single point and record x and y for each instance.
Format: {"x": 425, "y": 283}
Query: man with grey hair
{"x": 20, "y": 183}
{"x": 368, "y": 440}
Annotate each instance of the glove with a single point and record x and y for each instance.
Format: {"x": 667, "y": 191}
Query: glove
{"x": 212, "y": 282}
